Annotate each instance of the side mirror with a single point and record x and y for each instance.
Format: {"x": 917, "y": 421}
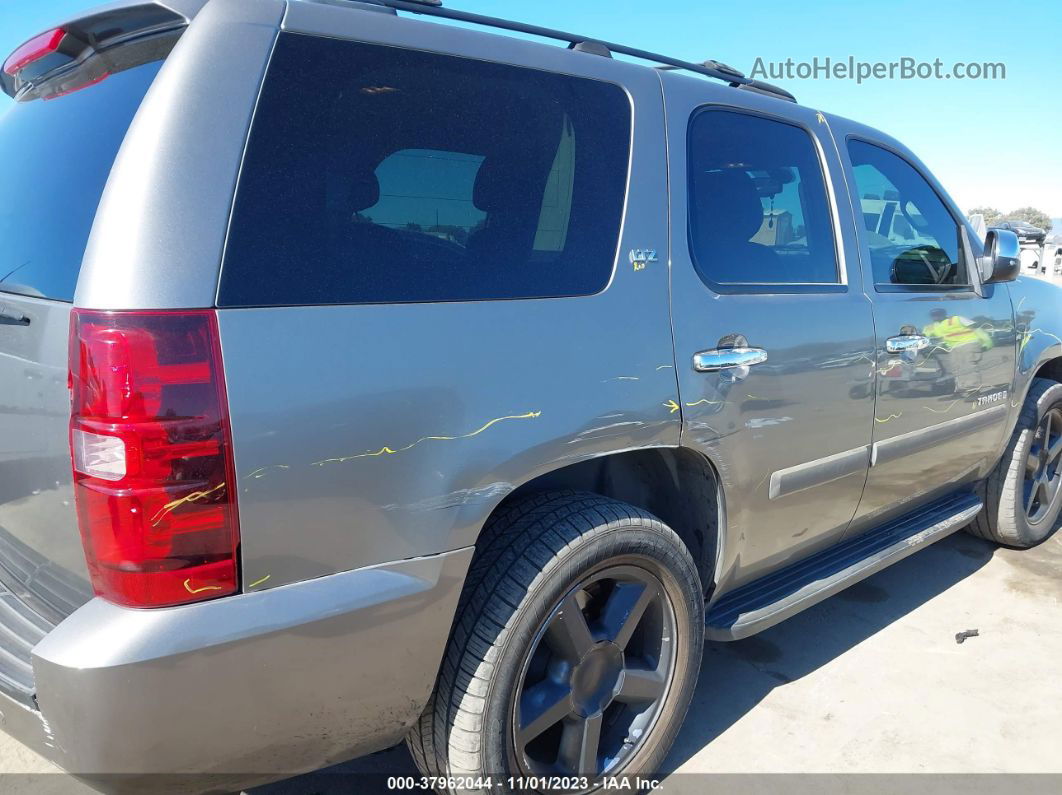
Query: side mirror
{"x": 1002, "y": 259}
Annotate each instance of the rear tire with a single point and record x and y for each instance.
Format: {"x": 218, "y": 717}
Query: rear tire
{"x": 524, "y": 689}
{"x": 1023, "y": 495}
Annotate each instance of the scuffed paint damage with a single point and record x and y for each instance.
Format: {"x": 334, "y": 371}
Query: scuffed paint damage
{"x": 454, "y": 499}
{"x": 386, "y": 450}
{"x": 706, "y": 402}
{"x": 261, "y": 472}
{"x": 765, "y": 422}
{"x": 890, "y": 418}
{"x": 188, "y": 587}
{"x": 171, "y": 506}
{"x": 50, "y": 740}
{"x": 1028, "y": 335}
{"x": 605, "y": 431}
{"x": 946, "y": 410}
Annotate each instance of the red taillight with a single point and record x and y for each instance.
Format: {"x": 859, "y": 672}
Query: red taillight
{"x": 33, "y": 50}
{"x": 152, "y": 453}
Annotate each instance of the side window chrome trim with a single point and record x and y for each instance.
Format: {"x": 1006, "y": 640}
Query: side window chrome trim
{"x": 836, "y": 226}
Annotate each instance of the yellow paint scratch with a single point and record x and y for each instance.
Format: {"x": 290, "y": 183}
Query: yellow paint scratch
{"x": 193, "y": 497}
{"x": 259, "y": 582}
{"x": 1032, "y": 333}
{"x": 821, "y": 118}
{"x": 530, "y": 415}
{"x": 943, "y": 411}
{"x": 706, "y": 402}
{"x": 671, "y": 405}
{"x": 188, "y": 587}
{"x": 889, "y": 418}
{"x": 261, "y": 471}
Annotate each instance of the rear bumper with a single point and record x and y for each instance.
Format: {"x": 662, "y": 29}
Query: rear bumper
{"x": 255, "y": 686}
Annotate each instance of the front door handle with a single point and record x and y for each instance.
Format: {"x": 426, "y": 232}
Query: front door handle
{"x": 726, "y": 358}
{"x": 906, "y": 342}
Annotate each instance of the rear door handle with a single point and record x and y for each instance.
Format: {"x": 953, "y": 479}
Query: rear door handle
{"x": 906, "y": 342}
{"x": 725, "y": 358}
{"x": 12, "y": 317}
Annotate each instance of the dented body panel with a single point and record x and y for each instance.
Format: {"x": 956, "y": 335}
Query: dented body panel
{"x": 403, "y": 444}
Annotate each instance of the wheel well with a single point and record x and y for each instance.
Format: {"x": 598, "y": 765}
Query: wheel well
{"x": 677, "y": 485}
{"x": 1051, "y": 369}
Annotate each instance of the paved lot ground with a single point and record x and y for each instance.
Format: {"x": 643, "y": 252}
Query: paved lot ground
{"x": 870, "y": 681}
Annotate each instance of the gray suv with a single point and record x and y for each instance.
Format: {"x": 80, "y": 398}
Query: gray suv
{"x": 367, "y": 378}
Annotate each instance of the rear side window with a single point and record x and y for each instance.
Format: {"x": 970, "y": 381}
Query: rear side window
{"x": 380, "y": 175}
{"x": 57, "y": 155}
{"x": 759, "y": 214}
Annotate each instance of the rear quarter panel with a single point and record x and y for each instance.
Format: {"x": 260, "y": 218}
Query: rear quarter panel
{"x": 371, "y": 433}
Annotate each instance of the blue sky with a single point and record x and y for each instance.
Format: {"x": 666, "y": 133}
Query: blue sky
{"x": 990, "y": 142}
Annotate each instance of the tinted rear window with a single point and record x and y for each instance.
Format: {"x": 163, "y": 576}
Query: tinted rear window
{"x": 56, "y": 156}
{"x": 378, "y": 175}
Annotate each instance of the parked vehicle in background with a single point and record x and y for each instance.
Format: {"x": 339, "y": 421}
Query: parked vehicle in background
{"x": 1026, "y": 232}
{"x": 431, "y": 385}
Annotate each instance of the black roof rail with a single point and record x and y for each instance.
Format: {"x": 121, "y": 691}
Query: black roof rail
{"x": 713, "y": 69}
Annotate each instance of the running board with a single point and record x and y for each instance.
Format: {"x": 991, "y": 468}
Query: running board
{"x": 762, "y": 603}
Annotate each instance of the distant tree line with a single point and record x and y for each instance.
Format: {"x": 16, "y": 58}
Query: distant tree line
{"x": 1028, "y": 214}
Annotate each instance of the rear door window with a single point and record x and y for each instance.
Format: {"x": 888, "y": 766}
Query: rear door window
{"x": 758, "y": 209}
{"x": 57, "y": 155}
{"x": 381, "y": 175}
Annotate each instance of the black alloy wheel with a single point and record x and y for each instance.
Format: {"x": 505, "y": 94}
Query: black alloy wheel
{"x": 596, "y": 676}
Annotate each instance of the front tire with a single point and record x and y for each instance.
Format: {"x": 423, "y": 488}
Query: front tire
{"x": 574, "y": 653}
{"x": 1023, "y": 495}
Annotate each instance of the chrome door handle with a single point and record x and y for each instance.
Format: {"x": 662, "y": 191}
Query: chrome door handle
{"x": 906, "y": 342}
{"x": 725, "y": 358}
